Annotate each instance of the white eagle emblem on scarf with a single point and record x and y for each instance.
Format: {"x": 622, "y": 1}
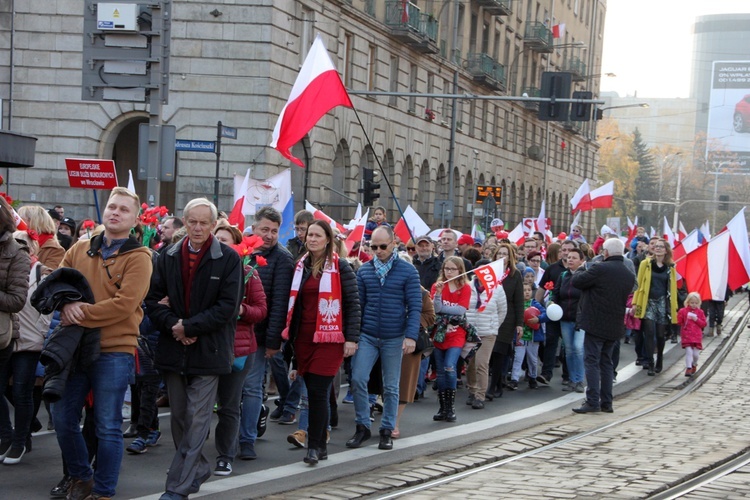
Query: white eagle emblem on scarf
{"x": 329, "y": 309}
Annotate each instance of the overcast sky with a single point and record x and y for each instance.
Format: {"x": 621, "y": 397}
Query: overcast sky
{"x": 648, "y": 44}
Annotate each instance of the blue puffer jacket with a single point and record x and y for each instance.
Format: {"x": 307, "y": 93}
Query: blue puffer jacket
{"x": 392, "y": 309}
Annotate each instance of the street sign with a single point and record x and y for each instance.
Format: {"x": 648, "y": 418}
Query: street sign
{"x": 228, "y": 132}
{"x": 485, "y": 191}
{"x": 87, "y": 173}
{"x": 199, "y": 146}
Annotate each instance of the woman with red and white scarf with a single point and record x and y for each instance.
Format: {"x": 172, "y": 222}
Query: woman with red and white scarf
{"x": 322, "y": 326}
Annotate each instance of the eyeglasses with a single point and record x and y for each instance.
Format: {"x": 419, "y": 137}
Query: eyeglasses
{"x": 411, "y": 249}
{"x": 660, "y": 246}
{"x": 300, "y": 229}
{"x": 451, "y": 269}
{"x": 536, "y": 260}
{"x": 384, "y": 246}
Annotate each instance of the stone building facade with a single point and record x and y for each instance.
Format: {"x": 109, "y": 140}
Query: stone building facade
{"x": 235, "y": 62}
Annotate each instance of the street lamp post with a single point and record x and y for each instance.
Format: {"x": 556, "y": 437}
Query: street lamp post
{"x": 677, "y": 197}
{"x": 474, "y": 188}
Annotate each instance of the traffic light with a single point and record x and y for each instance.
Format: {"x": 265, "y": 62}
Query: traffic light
{"x": 555, "y": 85}
{"x": 369, "y": 187}
{"x": 723, "y": 199}
{"x": 581, "y": 111}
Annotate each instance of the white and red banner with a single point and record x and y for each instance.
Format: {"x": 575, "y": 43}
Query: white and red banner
{"x": 581, "y": 198}
{"x": 681, "y": 232}
{"x": 410, "y": 221}
{"x": 358, "y": 231}
{"x": 707, "y": 268}
{"x": 558, "y": 30}
{"x": 518, "y": 235}
{"x": 668, "y": 234}
{"x": 491, "y": 275}
{"x": 88, "y": 173}
{"x": 317, "y": 90}
{"x": 739, "y": 251}
{"x": 632, "y": 230}
{"x": 320, "y": 215}
{"x": 603, "y": 196}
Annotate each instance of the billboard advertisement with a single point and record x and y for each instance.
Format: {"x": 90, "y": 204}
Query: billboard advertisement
{"x": 729, "y": 113}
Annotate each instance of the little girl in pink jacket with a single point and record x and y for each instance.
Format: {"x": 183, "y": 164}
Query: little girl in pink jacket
{"x": 693, "y": 321}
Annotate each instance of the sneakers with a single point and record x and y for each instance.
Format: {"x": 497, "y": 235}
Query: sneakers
{"x": 138, "y": 446}
{"x": 512, "y": 385}
{"x": 14, "y": 455}
{"x": 579, "y": 387}
{"x": 263, "y": 420}
{"x": 297, "y": 438}
{"x": 348, "y": 399}
{"x": 533, "y": 384}
{"x": 277, "y": 413}
{"x": 153, "y": 438}
{"x": 477, "y": 404}
{"x": 247, "y": 451}
{"x": 223, "y": 468}
{"x": 470, "y": 400}
{"x": 542, "y": 380}
{"x": 287, "y": 419}
{"x": 688, "y": 372}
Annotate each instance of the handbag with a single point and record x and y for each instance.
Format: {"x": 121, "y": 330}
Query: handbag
{"x": 424, "y": 343}
{"x": 6, "y": 329}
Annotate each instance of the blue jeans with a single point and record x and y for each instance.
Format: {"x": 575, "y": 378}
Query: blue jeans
{"x": 108, "y": 378}
{"x": 368, "y": 351}
{"x": 22, "y": 367}
{"x": 252, "y": 396}
{"x": 445, "y": 365}
{"x": 288, "y": 392}
{"x": 599, "y": 370}
{"x": 573, "y": 350}
{"x": 423, "y": 366}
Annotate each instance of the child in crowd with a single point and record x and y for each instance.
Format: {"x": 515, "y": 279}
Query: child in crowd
{"x": 527, "y": 344}
{"x": 693, "y": 321}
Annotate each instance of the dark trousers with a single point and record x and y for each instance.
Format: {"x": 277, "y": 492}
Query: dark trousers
{"x": 653, "y": 340}
{"x": 715, "y": 312}
{"x": 597, "y": 361}
{"x": 318, "y": 395}
{"x": 144, "y": 413}
{"x": 551, "y": 341}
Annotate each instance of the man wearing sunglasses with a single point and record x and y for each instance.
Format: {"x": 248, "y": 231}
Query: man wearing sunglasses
{"x": 391, "y": 302}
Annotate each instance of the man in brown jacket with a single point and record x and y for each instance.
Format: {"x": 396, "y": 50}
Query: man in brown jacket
{"x": 118, "y": 270}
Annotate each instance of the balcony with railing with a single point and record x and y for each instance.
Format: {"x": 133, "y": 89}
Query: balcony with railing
{"x": 496, "y": 7}
{"x": 531, "y": 92}
{"x": 574, "y": 127}
{"x": 576, "y": 67}
{"x": 538, "y": 37}
{"x": 486, "y": 70}
{"x": 411, "y": 26}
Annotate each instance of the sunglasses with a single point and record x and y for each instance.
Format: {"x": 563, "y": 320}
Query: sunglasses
{"x": 384, "y": 246}
{"x": 411, "y": 249}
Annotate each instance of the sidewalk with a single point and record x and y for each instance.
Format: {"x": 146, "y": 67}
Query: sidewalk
{"x": 631, "y": 460}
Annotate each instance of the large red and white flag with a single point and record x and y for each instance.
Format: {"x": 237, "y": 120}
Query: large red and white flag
{"x": 688, "y": 244}
{"x": 581, "y": 201}
{"x": 410, "y": 221}
{"x": 518, "y": 235}
{"x": 358, "y": 232}
{"x": 668, "y": 234}
{"x": 739, "y": 251}
{"x": 558, "y": 30}
{"x": 491, "y": 275}
{"x": 603, "y": 196}
{"x": 541, "y": 221}
{"x": 707, "y": 268}
{"x": 632, "y": 230}
{"x": 320, "y": 215}
{"x": 236, "y": 217}
{"x": 317, "y": 90}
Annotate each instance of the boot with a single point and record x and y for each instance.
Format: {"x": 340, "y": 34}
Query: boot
{"x": 450, "y": 405}
{"x": 659, "y": 360}
{"x": 440, "y": 415}
{"x": 718, "y": 330}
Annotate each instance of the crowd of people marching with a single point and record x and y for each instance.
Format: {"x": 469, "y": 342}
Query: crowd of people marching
{"x": 195, "y": 313}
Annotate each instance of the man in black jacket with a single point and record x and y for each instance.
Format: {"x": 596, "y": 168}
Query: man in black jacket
{"x": 426, "y": 262}
{"x": 605, "y": 287}
{"x": 196, "y": 289}
{"x": 276, "y": 276}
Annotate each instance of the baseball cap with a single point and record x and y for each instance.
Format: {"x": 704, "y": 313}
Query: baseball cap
{"x": 53, "y": 213}
{"x": 67, "y": 221}
{"x": 466, "y": 240}
{"x": 424, "y": 237}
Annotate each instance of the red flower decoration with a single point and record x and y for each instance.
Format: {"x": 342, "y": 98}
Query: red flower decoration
{"x": 2, "y": 181}
{"x": 549, "y": 285}
{"x": 261, "y": 261}
{"x": 144, "y": 206}
{"x": 88, "y": 224}
{"x": 7, "y": 198}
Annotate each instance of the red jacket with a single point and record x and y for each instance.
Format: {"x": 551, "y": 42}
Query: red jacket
{"x": 252, "y": 310}
{"x": 692, "y": 330}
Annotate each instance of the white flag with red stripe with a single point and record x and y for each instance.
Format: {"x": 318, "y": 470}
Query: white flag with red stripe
{"x": 739, "y": 251}
{"x": 358, "y": 232}
{"x": 518, "y": 235}
{"x": 410, "y": 221}
{"x": 707, "y": 268}
{"x": 681, "y": 232}
{"x": 668, "y": 234}
{"x": 491, "y": 275}
{"x": 320, "y": 215}
{"x": 317, "y": 90}
{"x": 581, "y": 200}
{"x": 603, "y": 196}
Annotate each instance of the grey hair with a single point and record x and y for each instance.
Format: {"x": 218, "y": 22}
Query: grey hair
{"x": 201, "y": 202}
{"x": 614, "y": 246}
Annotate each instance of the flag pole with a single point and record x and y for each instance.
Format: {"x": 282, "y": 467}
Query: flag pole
{"x": 388, "y": 183}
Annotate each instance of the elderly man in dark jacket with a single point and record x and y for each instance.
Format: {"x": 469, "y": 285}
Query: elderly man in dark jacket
{"x": 196, "y": 289}
{"x": 605, "y": 287}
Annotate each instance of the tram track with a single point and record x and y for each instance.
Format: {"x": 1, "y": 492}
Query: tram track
{"x": 679, "y": 391}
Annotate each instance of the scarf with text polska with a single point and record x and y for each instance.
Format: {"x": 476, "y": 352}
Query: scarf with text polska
{"x": 329, "y": 325}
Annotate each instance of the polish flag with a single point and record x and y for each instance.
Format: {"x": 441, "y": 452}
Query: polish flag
{"x": 491, "y": 275}
{"x": 707, "y": 268}
{"x": 320, "y": 215}
{"x": 705, "y": 233}
{"x": 668, "y": 234}
{"x": 518, "y": 235}
{"x": 632, "y": 230}
{"x": 576, "y": 221}
{"x": 236, "y": 217}
{"x": 404, "y": 15}
{"x": 603, "y": 196}
{"x": 358, "y": 232}
{"x": 558, "y": 30}
{"x": 581, "y": 201}
{"x": 688, "y": 244}
{"x": 541, "y": 221}
{"x": 411, "y": 221}
{"x": 20, "y": 224}
{"x": 682, "y": 232}
{"x": 317, "y": 90}
{"x": 739, "y": 251}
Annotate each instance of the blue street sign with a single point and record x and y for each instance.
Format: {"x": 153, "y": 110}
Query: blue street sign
{"x": 228, "y": 132}
{"x": 200, "y": 146}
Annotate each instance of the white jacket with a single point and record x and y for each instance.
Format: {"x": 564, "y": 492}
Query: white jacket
{"x": 488, "y": 321}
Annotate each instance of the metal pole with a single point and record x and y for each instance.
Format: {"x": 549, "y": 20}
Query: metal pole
{"x": 677, "y": 199}
{"x": 716, "y": 203}
{"x": 452, "y": 147}
{"x": 218, "y": 162}
{"x": 474, "y": 187}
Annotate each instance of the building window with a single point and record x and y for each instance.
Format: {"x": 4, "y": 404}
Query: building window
{"x": 483, "y": 121}
{"x": 496, "y": 124}
{"x": 472, "y": 117}
{"x": 412, "y": 88}
{"x": 393, "y": 83}
{"x": 447, "y": 89}
{"x": 372, "y": 66}
{"x": 348, "y": 42}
